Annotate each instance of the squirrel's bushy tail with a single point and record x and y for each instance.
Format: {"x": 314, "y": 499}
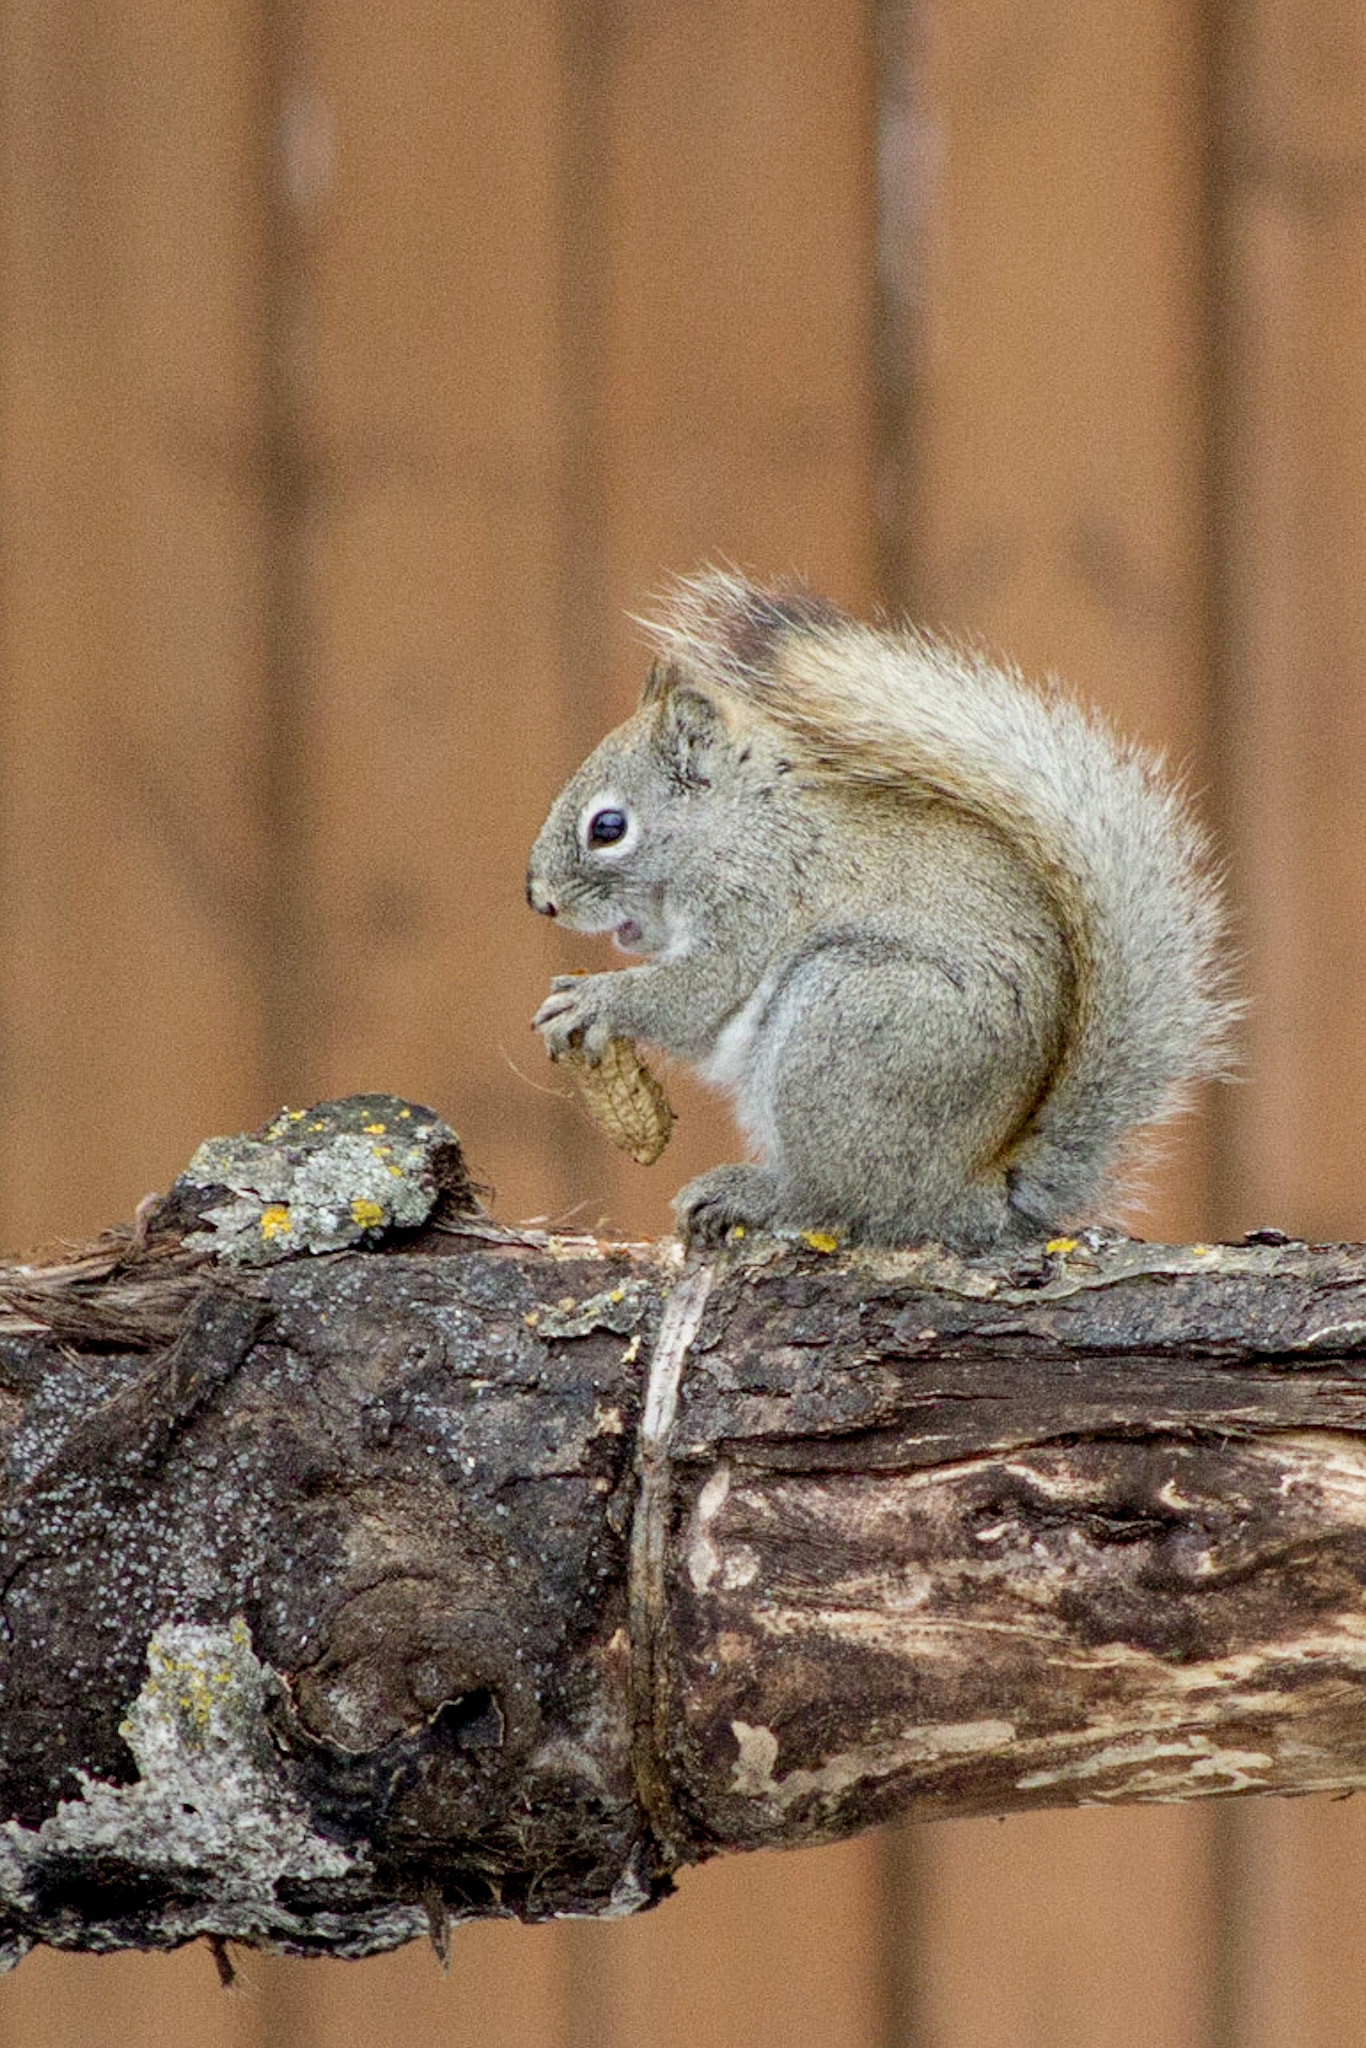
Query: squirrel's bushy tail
{"x": 1114, "y": 839}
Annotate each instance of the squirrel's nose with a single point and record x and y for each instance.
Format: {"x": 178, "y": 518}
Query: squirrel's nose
{"x": 539, "y": 897}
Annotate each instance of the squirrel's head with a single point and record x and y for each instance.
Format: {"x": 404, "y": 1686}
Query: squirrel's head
{"x": 651, "y": 816}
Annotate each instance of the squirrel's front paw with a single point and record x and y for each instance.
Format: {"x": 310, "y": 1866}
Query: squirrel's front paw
{"x": 724, "y": 1199}
{"x": 573, "y": 1015}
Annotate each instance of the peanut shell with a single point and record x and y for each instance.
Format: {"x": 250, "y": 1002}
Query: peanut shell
{"x": 623, "y": 1098}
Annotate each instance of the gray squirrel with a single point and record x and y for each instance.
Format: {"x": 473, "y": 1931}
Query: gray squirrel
{"x": 945, "y": 940}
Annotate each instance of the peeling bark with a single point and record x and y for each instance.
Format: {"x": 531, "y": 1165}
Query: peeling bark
{"x": 439, "y": 1570}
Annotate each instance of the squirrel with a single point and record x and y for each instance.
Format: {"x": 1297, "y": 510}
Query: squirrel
{"x": 944, "y": 938}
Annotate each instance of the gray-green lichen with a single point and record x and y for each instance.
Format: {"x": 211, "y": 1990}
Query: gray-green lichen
{"x": 621, "y": 1308}
{"x": 319, "y": 1180}
{"x": 211, "y": 1827}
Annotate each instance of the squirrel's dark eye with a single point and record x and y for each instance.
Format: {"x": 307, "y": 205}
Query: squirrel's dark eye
{"x": 606, "y": 827}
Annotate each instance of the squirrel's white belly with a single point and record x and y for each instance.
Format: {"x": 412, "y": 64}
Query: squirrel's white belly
{"x": 740, "y": 1064}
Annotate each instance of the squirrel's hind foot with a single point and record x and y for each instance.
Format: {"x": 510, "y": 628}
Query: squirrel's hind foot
{"x": 726, "y": 1199}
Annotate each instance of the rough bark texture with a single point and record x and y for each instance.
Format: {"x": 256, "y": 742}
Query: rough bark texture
{"x": 440, "y": 1570}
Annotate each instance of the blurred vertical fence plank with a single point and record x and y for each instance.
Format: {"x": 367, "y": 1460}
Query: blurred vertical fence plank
{"x": 1301, "y": 1975}
{"x": 1096, "y": 1935}
{"x": 1046, "y": 162}
{"x": 773, "y": 1949}
{"x": 1057, "y": 494}
{"x": 504, "y": 1989}
{"x": 1290, "y": 217}
{"x": 1295, "y": 547}
{"x": 129, "y": 583}
{"x": 127, "y": 2001}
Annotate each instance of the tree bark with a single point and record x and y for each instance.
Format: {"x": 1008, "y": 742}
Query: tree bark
{"x": 367, "y": 1565}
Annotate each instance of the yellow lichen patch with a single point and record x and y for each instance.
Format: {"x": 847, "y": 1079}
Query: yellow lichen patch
{"x": 367, "y": 1214}
{"x": 624, "y": 1099}
{"x": 188, "y": 1685}
{"x": 275, "y": 1220}
{"x": 374, "y": 1130}
{"x": 1061, "y": 1244}
{"x": 820, "y": 1241}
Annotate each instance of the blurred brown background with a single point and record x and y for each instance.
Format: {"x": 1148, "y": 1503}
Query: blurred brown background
{"x": 360, "y": 368}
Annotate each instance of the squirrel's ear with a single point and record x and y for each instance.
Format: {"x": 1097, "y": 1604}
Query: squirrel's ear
{"x": 688, "y": 730}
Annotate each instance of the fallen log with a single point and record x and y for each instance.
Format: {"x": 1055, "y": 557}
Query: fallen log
{"x": 368, "y": 1565}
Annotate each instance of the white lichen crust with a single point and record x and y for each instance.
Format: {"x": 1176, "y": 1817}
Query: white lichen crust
{"x": 325, "y": 1179}
{"x": 210, "y": 1822}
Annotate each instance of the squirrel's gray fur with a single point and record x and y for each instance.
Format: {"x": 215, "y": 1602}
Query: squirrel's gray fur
{"x": 947, "y": 941}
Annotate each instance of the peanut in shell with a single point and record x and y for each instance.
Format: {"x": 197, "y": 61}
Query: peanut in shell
{"x": 624, "y": 1098}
